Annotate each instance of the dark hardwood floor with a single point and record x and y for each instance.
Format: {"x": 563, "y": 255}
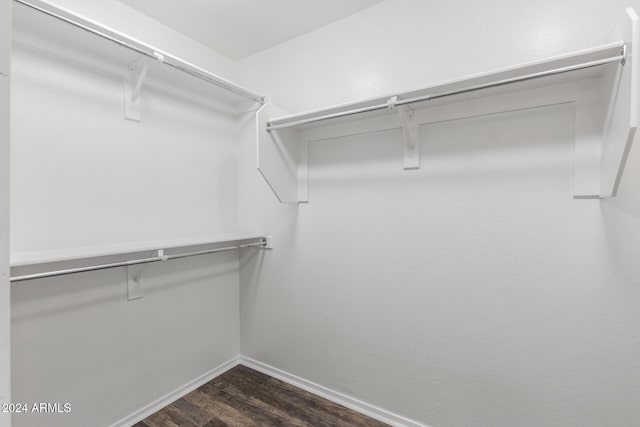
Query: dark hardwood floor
{"x": 243, "y": 397}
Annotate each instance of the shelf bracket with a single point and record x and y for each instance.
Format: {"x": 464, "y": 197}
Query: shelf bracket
{"x": 136, "y": 75}
{"x": 281, "y": 158}
{"x": 135, "y": 278}
{"x": 623, "y": 114}
{"x": 135, "y": 282}
{"x": 410, "y": 134}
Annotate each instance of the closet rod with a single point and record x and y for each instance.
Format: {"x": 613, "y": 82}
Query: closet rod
{"x": 391, "y": 103}
{"x": 159, "y": 258}
{"x": 165, "y": 58}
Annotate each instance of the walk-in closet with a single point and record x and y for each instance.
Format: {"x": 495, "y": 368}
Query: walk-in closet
{"x": 319, "y": 213}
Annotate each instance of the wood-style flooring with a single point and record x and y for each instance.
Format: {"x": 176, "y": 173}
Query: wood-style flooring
{"x": 243, "y": 397}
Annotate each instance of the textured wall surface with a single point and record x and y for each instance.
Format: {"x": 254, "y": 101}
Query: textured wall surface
{"x": 84, "y": 176}
{"x": 79, "y": 340}
{"x": 474, "y": 291}
{"x": 5, "y": 329}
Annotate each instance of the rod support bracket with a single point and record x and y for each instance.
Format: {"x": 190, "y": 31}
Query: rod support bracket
{"x": 159, "y": 57}
{"x": 391, "y": 102}
{"x": 268, "y": 243}
{"x": 162, "y": 255}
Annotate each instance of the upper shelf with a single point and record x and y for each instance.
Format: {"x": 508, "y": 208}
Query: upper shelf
{"x": 42, "y": 257}
{"x": 602, "y": 82}
{"x": 45, "y": 27}
{"x": 581, "y": 64}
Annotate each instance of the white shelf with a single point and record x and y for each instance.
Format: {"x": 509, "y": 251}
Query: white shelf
{"x": 567, "y": 60}
{"x": 47, "y": 35}
{"x": 32, "y": 258}
{"x": 605, "y": 126}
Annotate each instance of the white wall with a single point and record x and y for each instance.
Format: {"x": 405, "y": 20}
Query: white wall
{"x": 83, "y": 176}
{"x": 474, "y": 291}
{"x": 5, "y": 311}
{"x": 79, "y": 340}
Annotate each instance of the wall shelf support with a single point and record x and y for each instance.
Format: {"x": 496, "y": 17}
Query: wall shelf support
{"x": 135, "y": 282}
{"x": 411, "y": 137}
{"x": 136, "y": 74}
{"x": 139, "y": 73}
{"x": 623, "y": 113}
{"x": 410, "y": 133}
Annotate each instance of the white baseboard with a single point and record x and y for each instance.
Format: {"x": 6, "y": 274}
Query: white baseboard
{"x": 176, "y": 394}
{"x": 334, "y": 396}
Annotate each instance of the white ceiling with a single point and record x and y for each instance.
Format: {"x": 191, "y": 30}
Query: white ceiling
{"x": 239, "y": 28}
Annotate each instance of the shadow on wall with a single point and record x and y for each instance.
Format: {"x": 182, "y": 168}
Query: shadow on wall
{"x": 494, "y": 150}
{"x": 620, "y": 216}
{"x": 251, "y": 263}
{"x": 42, "y": 298}
{"x": 628, "y": 199}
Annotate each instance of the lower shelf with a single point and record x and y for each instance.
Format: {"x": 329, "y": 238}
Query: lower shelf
{"x": 42, "y": 257}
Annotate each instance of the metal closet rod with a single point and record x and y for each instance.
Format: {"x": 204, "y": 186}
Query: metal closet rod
{"x": 155, "y": 55}
{"x": 149, "y": 260}
{"x": 391, "y": 103}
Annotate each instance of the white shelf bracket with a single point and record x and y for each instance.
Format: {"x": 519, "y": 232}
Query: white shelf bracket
{"x": 139, "y": 75}
{"x": 623, "y": 115}
{"x": 135, "y": 282}
{"x": 136, "y": 75}
{"x": 135, "y": 278}
{"x": 281, "y": 158}
{"x": 410, "y": 134}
